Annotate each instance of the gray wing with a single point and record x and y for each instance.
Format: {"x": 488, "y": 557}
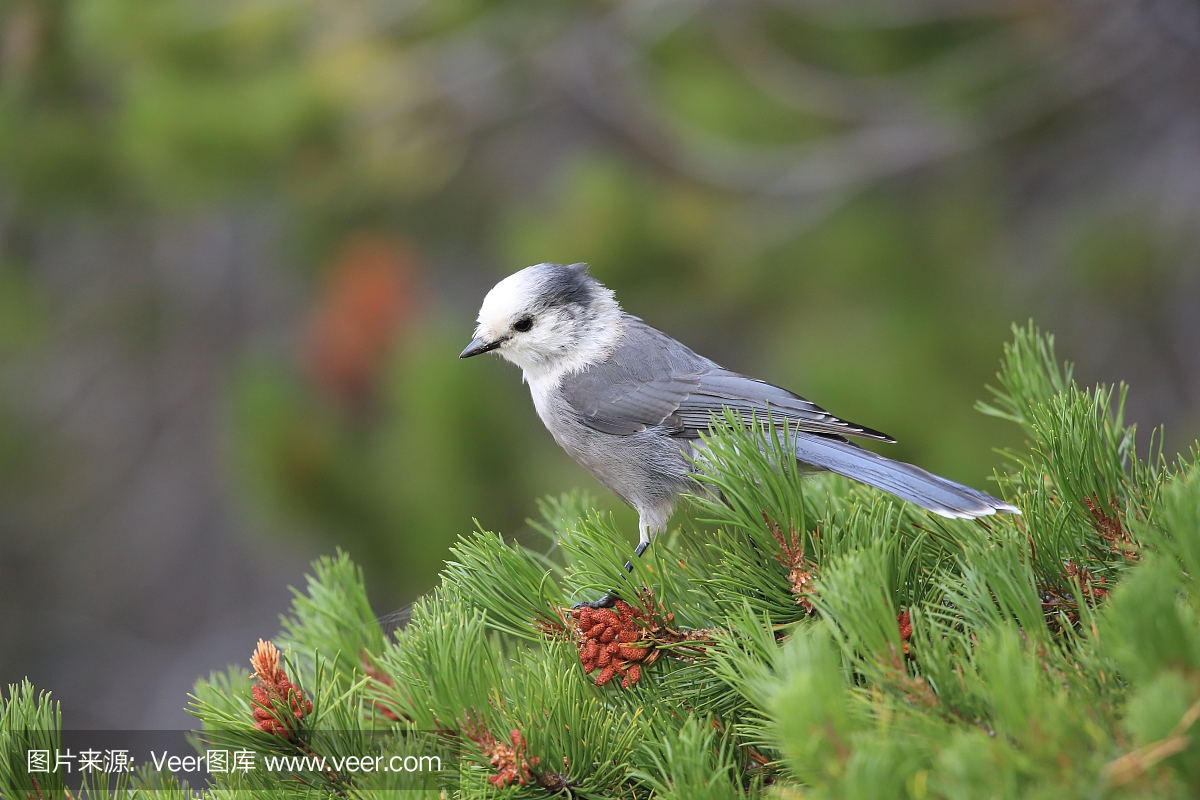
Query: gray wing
{"x": 725, "y": 389}
{"x": 652, "y": 380}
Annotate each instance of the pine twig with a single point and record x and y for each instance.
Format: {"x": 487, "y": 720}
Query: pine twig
{"x": 1130, "y": 766}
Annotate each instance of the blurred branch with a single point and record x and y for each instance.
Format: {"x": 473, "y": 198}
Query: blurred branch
{"x": 601, "y": 71}
{"x": 796, "y": 84}
{"x": 882, "y": 14}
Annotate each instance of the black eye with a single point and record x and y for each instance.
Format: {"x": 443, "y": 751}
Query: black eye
{"x": 523, "y": 324}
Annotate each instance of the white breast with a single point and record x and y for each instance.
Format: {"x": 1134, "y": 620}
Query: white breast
{"x": 542, "y": 386}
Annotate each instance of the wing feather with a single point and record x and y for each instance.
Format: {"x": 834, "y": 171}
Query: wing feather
{"x": 652, "y": 380}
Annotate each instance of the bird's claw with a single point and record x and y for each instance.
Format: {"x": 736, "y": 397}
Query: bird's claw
{"x": 610, "y": 598}
{"x": 608, "y": 601}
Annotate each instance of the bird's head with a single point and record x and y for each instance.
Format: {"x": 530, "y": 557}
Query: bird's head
{"x": 548, "y": 318}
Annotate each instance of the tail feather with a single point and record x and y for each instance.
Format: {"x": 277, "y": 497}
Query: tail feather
{"x": 908, "y": 482}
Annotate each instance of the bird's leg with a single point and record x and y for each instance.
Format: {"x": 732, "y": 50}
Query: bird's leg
{"x": 637, "y": 551}
{"x": 610, "y": 598}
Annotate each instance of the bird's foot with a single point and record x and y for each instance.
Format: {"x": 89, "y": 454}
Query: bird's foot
{"x": 608, "y": 601}
{"x": 610, "y": 598}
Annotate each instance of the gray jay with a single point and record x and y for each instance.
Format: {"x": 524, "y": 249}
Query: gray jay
{"x": 629, "y": 402}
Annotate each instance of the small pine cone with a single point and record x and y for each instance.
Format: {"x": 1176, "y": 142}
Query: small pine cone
{"x": 301, "y": 705}
{"x": 263, "y": 718}
{"x": 584, "y": 615}
{"x": 626, "y": 637}
{"x": 605, "y": 676}
{"x": 605, "y": 658}
{"x": 622, "y": 608}
{"x": 610, "y": 634}
{"x": 631, "y": 677}
{"x": 601, "y": 616}
{"x": 629, "y": 653}
{"x": 590, "y": 650}
{"x": 905, "y": 623}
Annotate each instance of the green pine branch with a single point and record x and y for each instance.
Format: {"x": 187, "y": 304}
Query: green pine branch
{"x": 797, "y": 636}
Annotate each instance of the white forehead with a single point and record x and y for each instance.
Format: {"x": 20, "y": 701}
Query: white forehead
{"x": 509, "y": 297}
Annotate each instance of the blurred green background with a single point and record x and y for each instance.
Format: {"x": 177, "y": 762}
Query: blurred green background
{"x": 243, "y": 241}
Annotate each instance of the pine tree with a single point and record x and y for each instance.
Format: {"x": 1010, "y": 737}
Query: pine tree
{"x": 799, "y": 637}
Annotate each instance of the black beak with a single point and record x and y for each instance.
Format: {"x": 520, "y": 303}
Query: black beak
{"x": 478, "y": 345}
